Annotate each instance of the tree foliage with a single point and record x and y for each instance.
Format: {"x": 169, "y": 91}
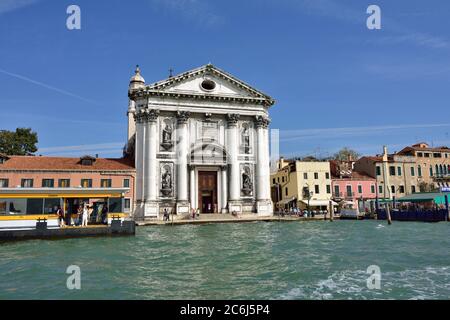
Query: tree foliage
{"x": 21, "y": 142}
{"x": 346, "y": 154}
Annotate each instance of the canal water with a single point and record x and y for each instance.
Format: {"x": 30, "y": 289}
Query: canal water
{"x": 278, "y": 260}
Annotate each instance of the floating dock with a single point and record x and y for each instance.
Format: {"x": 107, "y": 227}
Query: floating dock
{"x": 117, "y": 228}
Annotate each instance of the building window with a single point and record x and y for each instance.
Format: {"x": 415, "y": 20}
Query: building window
{"x": 349, "y": 191}
{"x": 380, "y": 189}
{"x": 4, "y": 183}
{"x": 431, "y": 171}
{"x": 27, "y": 183}
{"x": 392, "y": 170}
{"x": 413, "y": 189}
{"x": 282, "y": 179}
{"x": 305, "y": 175}
{"x": 372, "y": 188}
{"x": 316, "y": 175}
{"x": 105, "y": 183}
{"x": 437, "y": 155}
{"x": 317, "y": 189}
{"x": 86, "y": 183}
{"x": 48, "y": 183}
{"x": 401, "y": 189}
{"x": 286, "y": 191}
{"x": 64, "y": 183}
{"x": 378, "y": 171}
{"x": 328, "y": 188}
{"x": 393, "y": 189}
{"x": 427, "y": 155}
{"x": 420, "y": 154}
{"x": 127, "y": 204}
{"x": 399, "y": 171}
{"x": 360, "y": 189}
{"x": 419, "y": 171}
{"x": 413, "y": 172}
{"x": 336, "y": 191}
{"x": 327, "y": 175}
{"x": 273, "y": 180}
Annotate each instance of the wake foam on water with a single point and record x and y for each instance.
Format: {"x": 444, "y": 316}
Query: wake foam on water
{"x": 416, "y": 284}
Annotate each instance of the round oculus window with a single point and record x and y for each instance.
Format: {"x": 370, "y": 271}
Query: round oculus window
{"x": 208, "y": 85}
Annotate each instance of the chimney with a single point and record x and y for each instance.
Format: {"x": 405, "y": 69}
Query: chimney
{"x": 96, "y": 155}
{"x": 385, "y": 154}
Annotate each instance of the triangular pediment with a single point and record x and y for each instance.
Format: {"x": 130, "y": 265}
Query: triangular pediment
{"x": 210, "y": 81}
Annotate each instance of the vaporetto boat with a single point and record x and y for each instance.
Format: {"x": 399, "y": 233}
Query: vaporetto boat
{"x": 32, "y": 212}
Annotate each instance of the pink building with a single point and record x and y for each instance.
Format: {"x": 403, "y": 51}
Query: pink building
{"x": 349, "y": 185}
{"x": 61, "y": 172}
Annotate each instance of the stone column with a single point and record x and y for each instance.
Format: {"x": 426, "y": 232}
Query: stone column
{"x": 224, "y": 190}
{"x": 192, "y": 190}
{"x": 233, "y": 163}
{"x": 264, "y": 203}
{"x": 139, "y": 164}
{"x": 150, "y": 163}
{"x": 182, "y": 154}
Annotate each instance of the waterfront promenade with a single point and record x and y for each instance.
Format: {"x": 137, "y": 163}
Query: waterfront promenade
{"x": 228, "y": 218}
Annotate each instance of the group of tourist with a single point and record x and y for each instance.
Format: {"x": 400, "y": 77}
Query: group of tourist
{"x": 83, "y": 215}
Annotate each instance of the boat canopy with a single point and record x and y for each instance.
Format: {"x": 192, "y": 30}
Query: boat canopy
{"x": 437, "y": 197}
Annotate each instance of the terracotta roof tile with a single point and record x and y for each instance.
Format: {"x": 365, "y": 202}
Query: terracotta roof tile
{"x": 64, "y": 163}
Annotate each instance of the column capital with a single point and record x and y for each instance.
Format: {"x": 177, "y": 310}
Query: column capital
{"x": 152, "y": 115}
{"x": 183, "y": 117}
{"x": 262, "y": 122}
{"x": 146, "y": 115}
{"x": 232, "y": 119}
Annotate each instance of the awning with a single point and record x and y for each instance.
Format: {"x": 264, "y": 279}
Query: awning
{"x": 318, "y": 203}
{"x": 287, "y": 200}
{"x": 437, "y": 197}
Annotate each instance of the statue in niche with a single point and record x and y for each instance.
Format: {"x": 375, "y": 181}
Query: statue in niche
{"x": 167, "y": 136}
{"x": 247, "y": 185}
{"x": 166, "y": 181}
{"x": 246, "y": 138}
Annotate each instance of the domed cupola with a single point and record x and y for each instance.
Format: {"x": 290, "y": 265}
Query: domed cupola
{"x": 137, "y": 81}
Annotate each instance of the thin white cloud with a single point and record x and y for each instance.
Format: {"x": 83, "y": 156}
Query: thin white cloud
{"x": 319, "y": 133}
{"x": 400, "y": 34}
{"x": 46, "y": 86}
{"x": 12, "y": 5}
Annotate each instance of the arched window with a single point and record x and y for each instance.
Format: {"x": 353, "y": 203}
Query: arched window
{"x": 419, "y": 170}
{"x": 437, "y": 170}
{"x": 431, "y": 171}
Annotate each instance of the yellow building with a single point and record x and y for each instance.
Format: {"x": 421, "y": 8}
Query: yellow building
{"x": 433, "y": 163}
{"x": 302, "y": 184}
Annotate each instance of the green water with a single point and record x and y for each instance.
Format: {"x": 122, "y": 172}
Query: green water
{"x": 291, "y": 260}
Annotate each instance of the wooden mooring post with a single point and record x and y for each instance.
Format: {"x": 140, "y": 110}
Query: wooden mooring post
{"x": 388, "y": 214}
{"x": 447, "y": 208}
{"x": 331, "y": 211}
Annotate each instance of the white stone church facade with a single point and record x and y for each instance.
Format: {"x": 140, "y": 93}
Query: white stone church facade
{"x": 201, "y": 141}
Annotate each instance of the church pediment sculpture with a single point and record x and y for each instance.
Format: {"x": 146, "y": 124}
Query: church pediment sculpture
{"x": 166, "y": 180}
{"x": 167, "y": 135}
{"x": 247, "y": 184}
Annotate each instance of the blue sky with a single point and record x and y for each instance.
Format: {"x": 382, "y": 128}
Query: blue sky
{"x": 336, "y": 83}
